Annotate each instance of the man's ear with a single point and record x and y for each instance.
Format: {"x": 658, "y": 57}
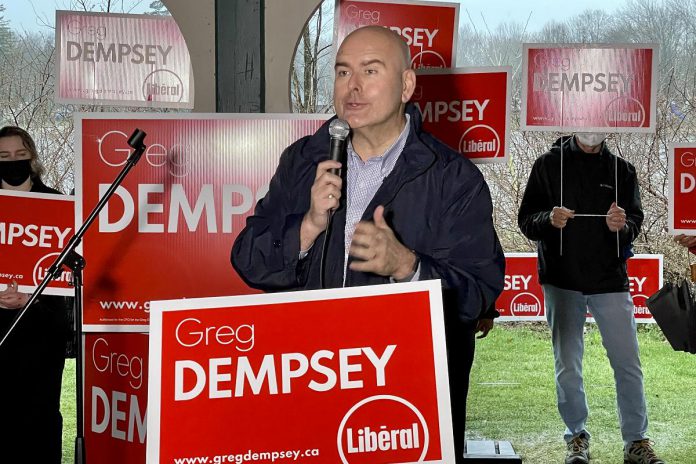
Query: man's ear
{"x": 408, "y": 78}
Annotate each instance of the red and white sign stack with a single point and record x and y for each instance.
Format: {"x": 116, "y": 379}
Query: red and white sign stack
{"x": 166, "y": 233}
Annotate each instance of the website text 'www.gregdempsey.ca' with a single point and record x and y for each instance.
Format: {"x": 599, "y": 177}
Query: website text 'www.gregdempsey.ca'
{"x": 128, "y": 305}
{"x": 250, "y": 456}
{"x": 5, "y": 276}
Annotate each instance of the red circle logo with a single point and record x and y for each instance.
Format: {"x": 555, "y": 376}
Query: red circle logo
{"x": 480, "y": 141}
{"x": 624, "y": 111}
{"x": 640, "y": 307}
{"x": 525, "y": 305}
{"x": 383, "y": 429}
{"x": 428, "y": 59}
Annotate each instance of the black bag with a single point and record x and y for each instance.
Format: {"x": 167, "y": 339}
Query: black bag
{"x": 674, "y": 309}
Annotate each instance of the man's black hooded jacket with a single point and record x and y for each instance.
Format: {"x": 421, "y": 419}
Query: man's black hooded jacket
{"x": 587, "y": 261}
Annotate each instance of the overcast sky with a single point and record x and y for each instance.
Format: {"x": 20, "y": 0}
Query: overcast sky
{"x": 22, "y": 15}
{"x": 26, "y": 14}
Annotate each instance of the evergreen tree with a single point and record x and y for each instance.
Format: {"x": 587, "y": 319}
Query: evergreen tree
{"x": 5, "y": 32}
{"x": 158, "y": 9}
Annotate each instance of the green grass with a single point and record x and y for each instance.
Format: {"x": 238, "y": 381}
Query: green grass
{"x": 512, "y": 396}
{"x": 67, "y": 409}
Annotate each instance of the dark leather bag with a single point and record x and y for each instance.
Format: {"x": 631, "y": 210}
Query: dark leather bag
{"x": 674, "y": 310}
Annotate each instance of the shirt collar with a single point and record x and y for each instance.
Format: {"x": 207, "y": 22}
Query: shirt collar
{"x": 387, "y": 159}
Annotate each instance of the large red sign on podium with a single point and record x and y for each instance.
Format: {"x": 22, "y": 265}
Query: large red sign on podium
{"x": 354, "y": 375}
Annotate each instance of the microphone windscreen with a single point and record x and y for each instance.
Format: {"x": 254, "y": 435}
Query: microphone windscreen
{"x": 339, "y": 129}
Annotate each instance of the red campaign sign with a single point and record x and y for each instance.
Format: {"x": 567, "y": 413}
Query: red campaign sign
{"x": 644, "y": 279}
{"x": 115, "y": 397}
{"x": 429, "y": 28}
{"x": 168, "y": 230}
{"x": 34, "y": 229}
{"x": 122, "y": 59}
{"x": 522, "y": 298}
{"x": 589, "y": 87}
{"x": 682, "y": 189}
{"x": 354, "y": 375}
{"x": 468, "y": 109}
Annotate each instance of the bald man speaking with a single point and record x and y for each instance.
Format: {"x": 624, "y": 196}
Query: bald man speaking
{"x": 409, "y": 208}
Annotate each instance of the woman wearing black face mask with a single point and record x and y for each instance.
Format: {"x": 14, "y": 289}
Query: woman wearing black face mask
{"x": 32, "y": 358}
{"x": 20, "y": 168}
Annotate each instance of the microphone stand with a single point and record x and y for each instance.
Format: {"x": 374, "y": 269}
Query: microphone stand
{"x": 76, "y": 263}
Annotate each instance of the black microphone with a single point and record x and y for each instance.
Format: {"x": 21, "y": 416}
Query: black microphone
{"x": 338, "y": 130}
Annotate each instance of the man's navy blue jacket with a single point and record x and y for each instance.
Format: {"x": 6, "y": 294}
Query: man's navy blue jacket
{"x": 436, "y": 202}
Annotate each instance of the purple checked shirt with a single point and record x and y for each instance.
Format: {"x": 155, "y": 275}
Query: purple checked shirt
{"x": 364, "y": 179}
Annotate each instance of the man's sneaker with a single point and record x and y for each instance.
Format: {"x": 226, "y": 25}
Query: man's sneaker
{"x": 641, "y": 452}
{"x": 578, "y": 450}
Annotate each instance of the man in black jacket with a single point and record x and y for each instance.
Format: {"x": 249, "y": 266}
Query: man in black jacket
{"x": 409, "y": 209}
{"x": 582, "y": 206}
